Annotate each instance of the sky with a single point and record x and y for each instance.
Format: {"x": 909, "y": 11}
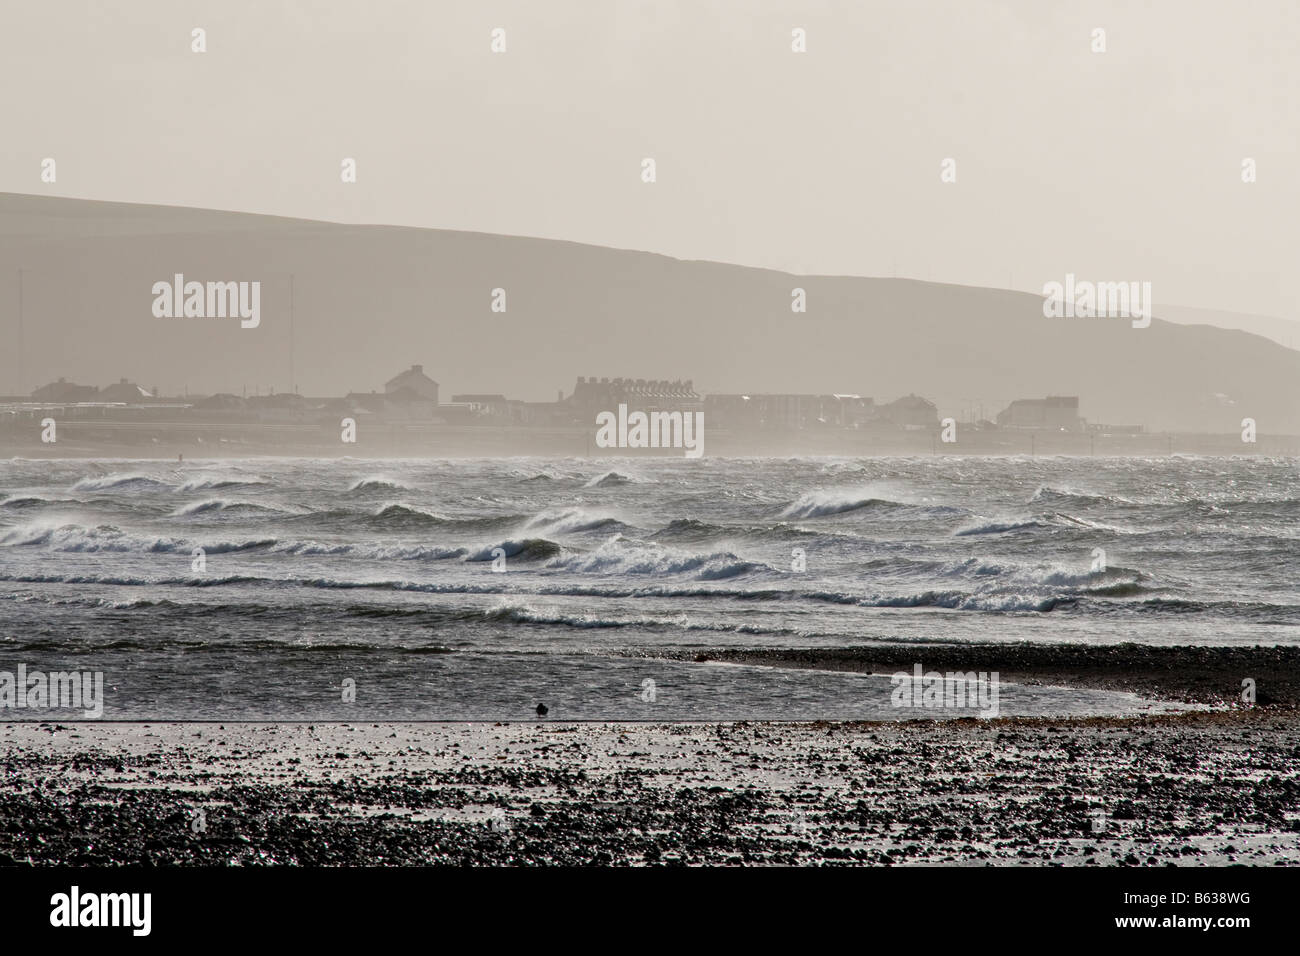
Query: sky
{"x": 1117, "y": 166}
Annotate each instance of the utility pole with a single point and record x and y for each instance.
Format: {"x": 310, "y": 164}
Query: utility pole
{"x": 19, "y": 378}
{"x": 293, "y": 387}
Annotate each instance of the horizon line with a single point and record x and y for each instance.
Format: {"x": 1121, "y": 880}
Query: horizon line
{"x": 593, "y": 245}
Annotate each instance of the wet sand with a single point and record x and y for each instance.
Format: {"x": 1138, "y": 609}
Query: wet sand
{"x": 1193, "y": 789}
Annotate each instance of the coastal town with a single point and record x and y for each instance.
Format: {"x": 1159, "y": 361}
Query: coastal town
{"x": 409, "y": 415}
{"x": 412, "y": 397}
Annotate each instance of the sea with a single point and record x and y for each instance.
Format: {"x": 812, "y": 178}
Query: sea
{"x": 479, "y": 589}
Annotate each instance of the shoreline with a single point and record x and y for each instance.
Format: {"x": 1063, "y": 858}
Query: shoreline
{"x": 1210, "y": 674}
{"x": 146, "y": 441}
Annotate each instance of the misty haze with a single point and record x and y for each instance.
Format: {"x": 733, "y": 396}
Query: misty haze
{"x": 650, "y": 433}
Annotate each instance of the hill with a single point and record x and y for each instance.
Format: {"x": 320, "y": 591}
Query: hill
{"x": 369, "y": 300}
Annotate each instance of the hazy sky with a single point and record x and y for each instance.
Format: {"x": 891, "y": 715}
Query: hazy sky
{"x": 1124, "y": 165}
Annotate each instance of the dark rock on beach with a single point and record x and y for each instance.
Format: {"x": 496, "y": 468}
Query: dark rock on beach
{"x": 1189, "y": 789}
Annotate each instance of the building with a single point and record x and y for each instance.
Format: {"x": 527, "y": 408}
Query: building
{"x": 850, "y": 411}
{"x": 222, "y": 402}
{"x": 731, "y": 411}
{"x": 64, "y": 392}
{"x": 1056, "y": 412}
{"x": 284, "y": 408}
{"x": 591, "y": 397}
{"x": 494, "y": 409}
{"x": 400, "y": 405}
{"x": 123, "y": 392}
{"x": 414, "y": 379}
{"x": 407, "y": 404}
{"x": 1100, "y": 429}
{"x": 788, "y": 411}
{"x": 911, "y": 412}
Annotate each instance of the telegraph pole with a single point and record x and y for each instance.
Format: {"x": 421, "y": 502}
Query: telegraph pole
{"x": 293, "y": 387}
{"x": 19, "y": 377}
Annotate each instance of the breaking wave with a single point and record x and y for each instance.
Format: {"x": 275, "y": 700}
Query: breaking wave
{"x": 524, "y": 549}
{"x": 573, "y": 521}
{"x": 610, "y": 479}
{"x": 378, "y": 483}
{"x": 408, "y": 515}
{"x": 622, "y": 556}
{"x": 215, "y": 505}
{"x": 79, "y": 538}
{"x": 219, "y": 482}
{"x": 121, "y": 482}
{"x": 1004, "y": 526}
{"x": 822, "y": 504}
{"x": 36, "y": 501}
{"x": 1046, "y": 493}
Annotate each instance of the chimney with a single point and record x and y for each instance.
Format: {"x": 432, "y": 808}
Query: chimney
{"x": 417, "y": 369}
